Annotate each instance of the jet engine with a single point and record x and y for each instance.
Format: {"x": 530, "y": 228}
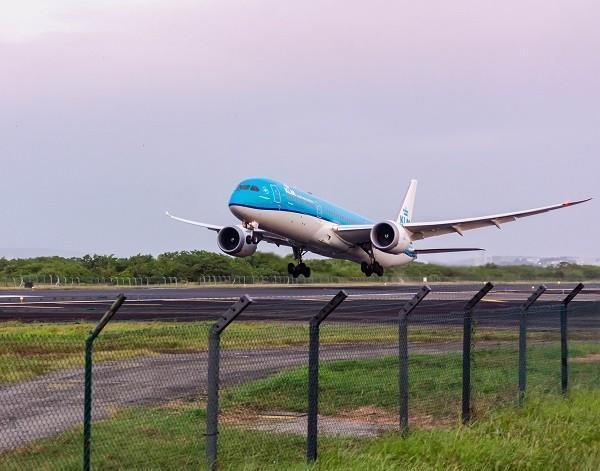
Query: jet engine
{"x": 390, "y": 237}
{"x": 233, "y": 240}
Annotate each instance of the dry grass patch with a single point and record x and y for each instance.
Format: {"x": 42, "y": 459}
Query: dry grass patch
{"x": 591, "y": 358}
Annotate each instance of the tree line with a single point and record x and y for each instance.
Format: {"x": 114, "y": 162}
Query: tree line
{"x": 194, "y": 265}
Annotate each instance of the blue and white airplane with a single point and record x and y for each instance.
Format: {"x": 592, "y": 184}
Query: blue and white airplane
{"x": 279, "y": 214}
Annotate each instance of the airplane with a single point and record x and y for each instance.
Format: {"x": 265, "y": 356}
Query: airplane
{"x": 276, "y": 213}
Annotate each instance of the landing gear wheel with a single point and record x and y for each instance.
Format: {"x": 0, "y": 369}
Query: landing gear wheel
{"x": 369, "y": 270}
{"x": 364, "y": 266}
{"x": 297, "y": 270}
{"x": 301, "y": 268}
{"x": 377, "y": 269}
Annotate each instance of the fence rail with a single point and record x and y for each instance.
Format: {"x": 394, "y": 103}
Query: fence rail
{"x": 67, "y": 281}
{"x": 165, "y": 394}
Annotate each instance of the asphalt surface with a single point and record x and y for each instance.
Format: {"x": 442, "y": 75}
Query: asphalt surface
{"x": 377, "y": 303}
{"x": 53, "y": 403}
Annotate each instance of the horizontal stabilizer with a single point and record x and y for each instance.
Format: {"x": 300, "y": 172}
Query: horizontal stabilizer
{"x": 425, "y": 251}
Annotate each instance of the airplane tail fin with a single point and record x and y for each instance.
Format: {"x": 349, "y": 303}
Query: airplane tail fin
{"x": 406, "y": 212}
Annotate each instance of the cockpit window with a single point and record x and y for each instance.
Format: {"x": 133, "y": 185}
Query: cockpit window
{"x": 248, "y": 187}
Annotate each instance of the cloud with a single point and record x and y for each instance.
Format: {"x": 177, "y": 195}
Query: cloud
{"x": 27, "y": 20}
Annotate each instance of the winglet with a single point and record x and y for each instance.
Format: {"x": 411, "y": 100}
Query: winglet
{"x": 573, "y": 203}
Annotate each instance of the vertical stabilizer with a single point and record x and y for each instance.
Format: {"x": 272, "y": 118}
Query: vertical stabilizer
{"x": 406, "y": 212}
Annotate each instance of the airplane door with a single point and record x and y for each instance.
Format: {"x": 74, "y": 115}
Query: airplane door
{"x": 276, "y": 195}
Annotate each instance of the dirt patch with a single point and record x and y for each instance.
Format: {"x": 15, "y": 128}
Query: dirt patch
{"x": 181, "y": 405}
{"x": 429, "y": 422}
{"x": 371, "y": 415}
{"x": 591, "y": 358}
{"x": 374, "y": 415}
{"x": 364, "y": 421}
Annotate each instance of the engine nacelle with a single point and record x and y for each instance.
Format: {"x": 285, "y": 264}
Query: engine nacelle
{"x": 232, "y": 241}
{"x": 390, "y": 237}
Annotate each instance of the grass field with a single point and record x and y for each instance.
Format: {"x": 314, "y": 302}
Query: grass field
{"x": 548, "y": 433}
{"x": 435, "y": 385}
{"x": 30, "y": 350}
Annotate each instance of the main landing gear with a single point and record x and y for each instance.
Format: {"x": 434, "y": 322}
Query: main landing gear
{"x": 301, "y": 268}
{"x": 370, "y": 268}
{"x": 373, "y": 267}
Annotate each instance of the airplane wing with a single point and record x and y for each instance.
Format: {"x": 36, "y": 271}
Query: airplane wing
{"x": 355, "y": 234}
{"x": 264, "y": 235}
{"x": 423, "y": 230}
{"x": 461, "y": 249}
{"x": 210, "y": 227}
{"x": 360, "y": 233}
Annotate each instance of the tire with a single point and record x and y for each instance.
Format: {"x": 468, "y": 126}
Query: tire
{"x": 377, "y": 269}
{"x": 291, "y": 268}
{"x": 364, "y": 266}
{"x": 369, "y": 271}
{"x": 306, "y": 272}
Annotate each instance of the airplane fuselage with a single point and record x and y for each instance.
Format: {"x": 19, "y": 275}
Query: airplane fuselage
{"x": 305, "y": 219}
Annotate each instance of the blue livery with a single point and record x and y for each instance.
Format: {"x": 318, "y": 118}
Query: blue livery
{"x": 267, "y": 194}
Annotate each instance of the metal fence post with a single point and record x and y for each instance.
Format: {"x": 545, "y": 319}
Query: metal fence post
{"x": 212, "y": 402}
{"x": 313, "y": 374}
{"x": 403, "y": 355}
{"x": 466, "y": 360}
{"x": 523, "y": 340}
{"x": 87, "y": 394}
{"x": 564, "y": 353}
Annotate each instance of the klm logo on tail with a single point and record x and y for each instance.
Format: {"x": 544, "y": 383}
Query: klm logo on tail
{"x": 404, "y": 216}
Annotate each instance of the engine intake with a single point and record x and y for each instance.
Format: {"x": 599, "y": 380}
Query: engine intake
{"x": 232, "y": 240}
{"x": 390, "y": 237}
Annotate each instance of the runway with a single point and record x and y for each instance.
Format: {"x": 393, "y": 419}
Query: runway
{"x": 364, "y": 303}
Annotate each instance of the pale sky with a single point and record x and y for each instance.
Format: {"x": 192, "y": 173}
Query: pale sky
{"x": 112, "y": 112}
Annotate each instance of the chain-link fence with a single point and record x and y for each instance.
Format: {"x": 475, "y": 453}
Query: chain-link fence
{"x": 154, "y": 381}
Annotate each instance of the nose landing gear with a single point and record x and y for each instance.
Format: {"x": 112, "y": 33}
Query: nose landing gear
{"x": 252, "y": 239}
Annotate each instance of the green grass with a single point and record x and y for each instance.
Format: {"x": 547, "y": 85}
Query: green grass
{"x": 434, "y": 379}
{"x": 30, "y": 350}
{"x": 548, "y": 433}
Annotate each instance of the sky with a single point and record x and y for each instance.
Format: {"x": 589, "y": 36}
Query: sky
{"x": 112, "y": 112}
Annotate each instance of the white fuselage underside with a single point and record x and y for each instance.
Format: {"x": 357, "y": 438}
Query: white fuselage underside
{"x": 313, "y": 234}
